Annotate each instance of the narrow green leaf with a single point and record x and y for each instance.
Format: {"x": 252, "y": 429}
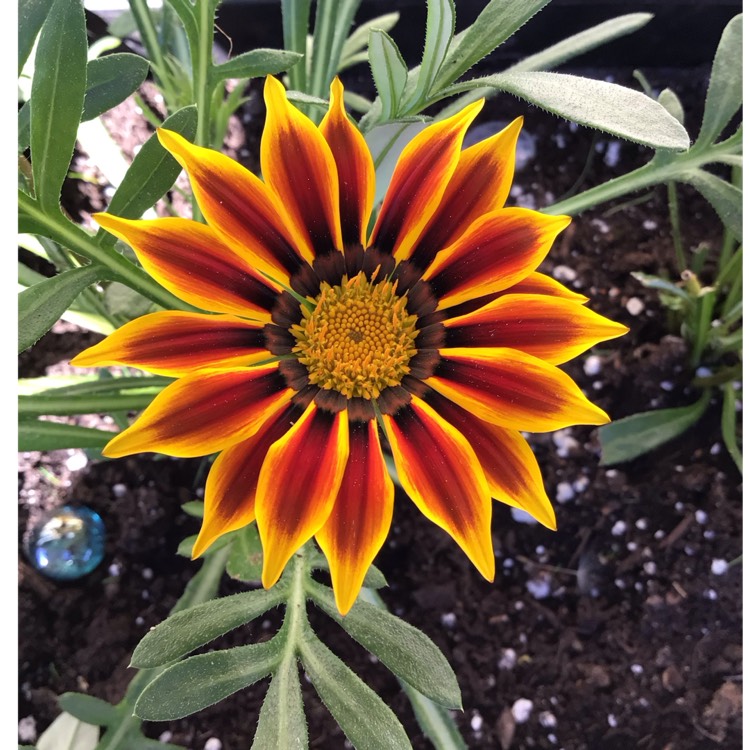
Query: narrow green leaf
{"x": 41, "y": 305}
{"x": 110, "y": 80}
{"x": 246, "y": 558}
{"x": 583, "y": 42}
{"x": 84, "y": 404}
{"x": 88, "y": 385}
{"x": 366, "y": 720}
{"x": 120, "y": 299}
{"x": 499, "y": 20}
{"x": 663, "y": 285}
{"x": 282, "y": 723}
{"x": 201, "y": 681}
{"x": 441, "y": 22}
{"x": 628, "y": 438}
{"x": 40, "y": 435}
{"x": 257, "y": 62}
{"x": 295, "y": 17}
{"x": 194, "y": 508}
{"x": 671, "y": 102}
{"x": 300, "y": 97}
{"x": 724, "y": 197}
{"x": 191, "y": 628}
{"x": 403, "y": 649}
{"x": 31, "y": 15}
{"x": 151, "y": 174}
{"x": 57, "y": 93}
{"x": 388, "y": 71}
{"x": 434, "y": 720}
{"x": 606, "y": 106}
{"x": 355, "y": 101}
{"x": 89, "y": 709}
{"x": 724, "y": 96}
{"x": 359, "y": 38}
{"x": 729, "y": 424}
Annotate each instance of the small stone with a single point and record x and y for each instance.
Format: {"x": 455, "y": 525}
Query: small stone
{"x": 27, "y": 729}
{"x": 612, "y": 720}
{"x": 581, "y": 484}
{"x": 612, "y": 154}
{"x": 632, "y": 546}
{"x": 448, "y": 619}
{"x": 719, "y": 567}
{"x": 619, "y": 528}
{"x": 593, "y": 365}
{"x": 599, "y": 676}
{"x": 672, "y": 679}
{"x": 635, "y": 306}
{"x": 565, "y": 492}
{"x": 636, "y": 669}
{"x": 701, "y": 517}
{"x": 165, "y": 737}
{"x": 119, "y": 490}
{"x": 476, "y": 722}
{"x": 650, "y": 568}
{"x": 659, "y": 534}
{"x": 521, "y": 710}
{"x": 650, "y": 225}
{"x": 508, "y": 659}
{"x": 548, "y": 720}
{"x": 147, "y": 574}
{"x": 666, "y": 385}
{"x": 641, "y": 524}
{"x": 114, "y": 570}
{"x": 212, "y": 743}
{"x": 715, "y": 449}
{"x": 564, "y": 273}
{"x": 710, "y": 594}
{"x": 77, "y": 460}
{"x": 541, "y": 586}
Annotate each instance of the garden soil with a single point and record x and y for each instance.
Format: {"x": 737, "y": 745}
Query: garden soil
{"x": 619, "y": 631}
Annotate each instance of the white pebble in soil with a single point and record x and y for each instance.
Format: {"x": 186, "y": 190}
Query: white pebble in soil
{"x": 635, "y": 306}
{"x": 612, "y": 720}
{"x": 650, "y": 568}
{"x": 564, "y": 273}
{"x": 710, "y": 594}
{"x": 619, "y": 528}
{"x": 521, "y": 710}
{"x": 636, "y": 669}
{"x": 641, "y": 524}
{"x": 565, "y": 492}
{"x": 701, "y": 517}
{"x": 540, "y": 587}
{"x": 76, "y": 460}
{"x": 548, "y": 720}
{"x": 715, "y": 449}
{"x": 165, "y": 736}
{"x": 650, "y": 225}
{"x": 448, "y": 619}
{"x": 508, "y": 659}
{"x": 521, "y": 516}
{"x": 476, "y": 723}
{"x": 212, "y": 743}
{"x": 719, "y": 567}
{"x": 592, "y": 365}
{"x": 564, "y": 442}
{"x": 27, "y": 729}
{"x": 119, "y": 490}
{"x": 581, "y": 484}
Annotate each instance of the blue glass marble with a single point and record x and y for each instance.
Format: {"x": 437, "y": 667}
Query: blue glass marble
{"x": 67, "y": 543}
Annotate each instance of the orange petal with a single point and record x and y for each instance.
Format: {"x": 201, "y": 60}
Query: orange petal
{"x": 298, "y": 165}
{"x": 204, "y": 413}
{"x": 442, "y": 475}
{"x": 479, "y": 185}
{"x": 496, "y": 252}
{"x": 233, "y": 479}
{"x": 361, "y": 516}
{"x": 508, "y": 462}
{"x": 422, "y": 174}
{"x": 238, "y": 207}
{"x": 355, "y": 168}
{"x": 298, "y": 485}
{"x": 553, "y": 329}
{"x": 190, "y": 260}
{"x": 176, "y": 343}
{"x": 513, "y": 389}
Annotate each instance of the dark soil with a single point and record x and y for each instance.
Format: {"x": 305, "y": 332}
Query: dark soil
{"x": 614, "y": 627}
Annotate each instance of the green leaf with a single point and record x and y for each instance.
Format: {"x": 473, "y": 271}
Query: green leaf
{"x": 282, "y": 723}
{"x": 497, "y": 22}
{"x": 582, "y": 42}
{"x": 366, "y": 720}
{"x": 628, "y": 438}
{"x": 403, "y": 649}
{"x": 84, "y": 404}
{"x": 724, "y": 96}
{"x": 201, "y": 681}
{"x": 434, "y": 720}
{"x": 246, "y": 558}
{"x": 671, "y": 102}
{"x": 441, "y": 22}
{"x": 89, "y": 709}
{"x": 729, "y": 424}
{"x": 724, "y": 197}
{"x": 333, "y": 19}
{"x": 88, "y": 385}
{"x": 31, "y": 15}
{"x": 606, "y": 106}
{"x": 257, "y": 62}
{"x": 120, "y": 299}
{"x": 67, "y": 733}
{"x": 57, "y": 93}
{"x": 151, "y": 174}
{"x": 300, "y": 97}
{"x": 295, "y": 17}
{"x": 41, "y": 305}
{"x": 359, "y": 38}
{"x": 663, "y": 285}
{"x": 191, "y": 628}
{"x": 388, "y": 71}
{"x": 194, "y": 508}
{"x": 40, "y": 435}
{"x": 110, "y": 80}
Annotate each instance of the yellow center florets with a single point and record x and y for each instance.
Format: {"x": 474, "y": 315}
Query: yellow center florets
{"x": 358, "y": 339}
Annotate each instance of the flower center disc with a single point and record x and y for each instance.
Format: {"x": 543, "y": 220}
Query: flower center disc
{"x": 358, "y": 339}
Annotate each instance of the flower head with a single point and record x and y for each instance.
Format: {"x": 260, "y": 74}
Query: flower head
{"x": 433, "y": 338}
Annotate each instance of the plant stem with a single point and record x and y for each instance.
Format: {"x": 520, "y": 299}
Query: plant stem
{"x": 674, "y": 217}
{"x": 58, "y": 228}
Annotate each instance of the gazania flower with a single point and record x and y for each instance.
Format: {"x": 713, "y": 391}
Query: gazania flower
{"x": 432, "y": 338}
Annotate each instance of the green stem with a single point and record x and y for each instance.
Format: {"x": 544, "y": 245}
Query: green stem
{"x": 58, "y": 228}
{"x": 150, "y": 40}
{"x": 721, "y": 377}
{"x": 202, "y": 83}
{"x": 674, "y": 217}
{"x": 295, "y": 619}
